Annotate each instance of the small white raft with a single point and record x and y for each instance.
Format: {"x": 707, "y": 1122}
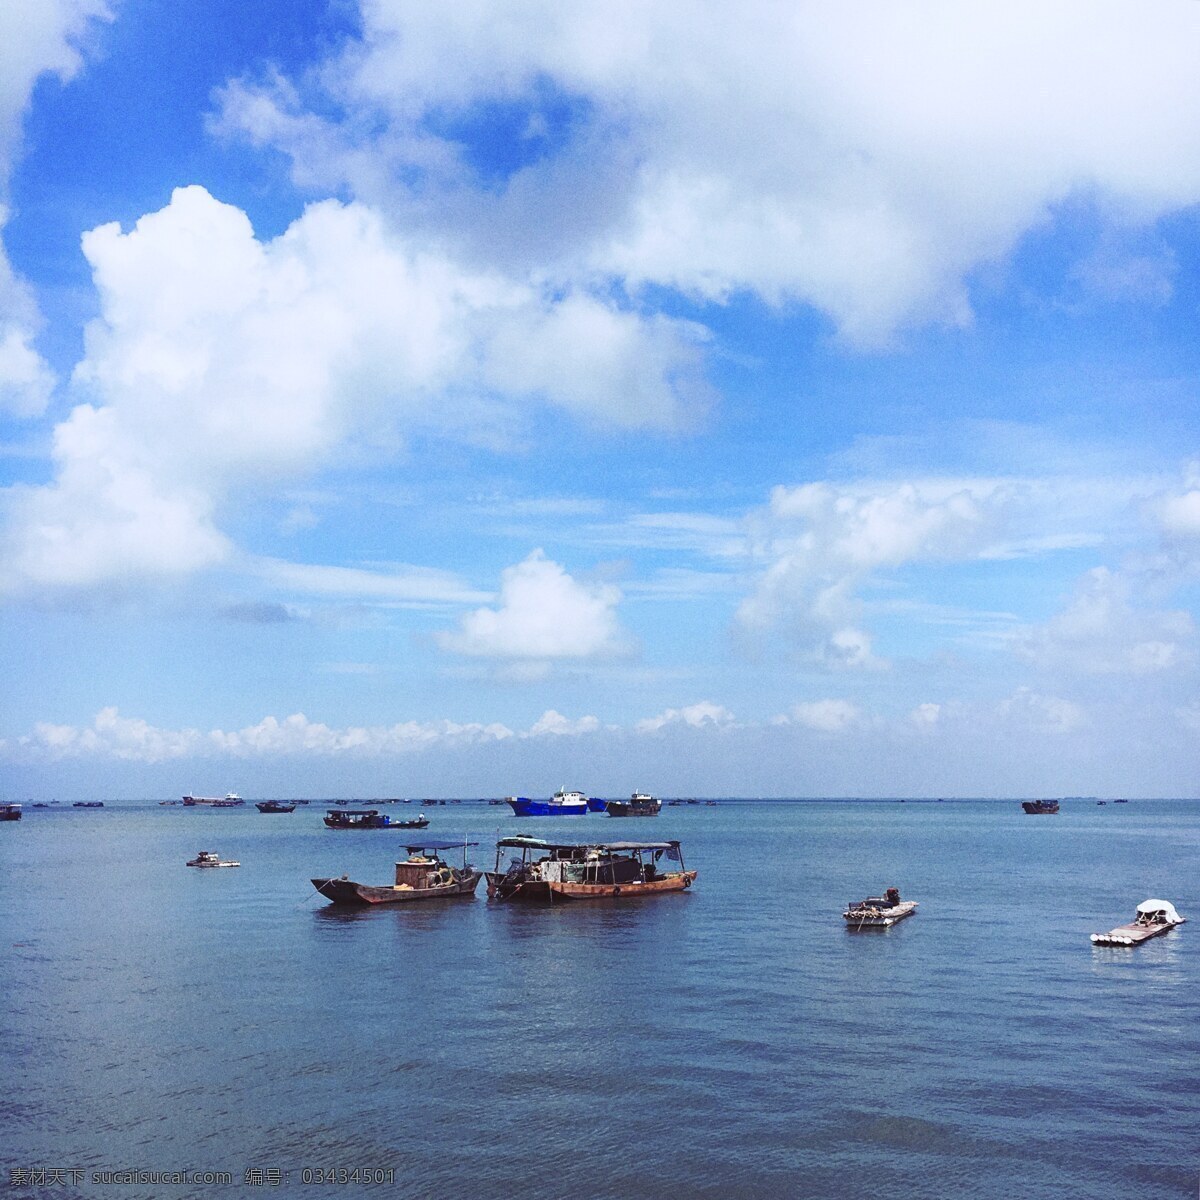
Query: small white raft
{"x": 1154, "y": 917}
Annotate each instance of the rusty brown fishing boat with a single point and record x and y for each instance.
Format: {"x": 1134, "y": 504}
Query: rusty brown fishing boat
{"x": 552, "y": 872}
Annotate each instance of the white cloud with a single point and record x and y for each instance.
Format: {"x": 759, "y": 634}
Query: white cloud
{"x": 397, "y": 584}
{"x": 554, "y": 724}
{"x": 704, "y": 715}
{"x": 297, "y": 735}
{"x": 1026, "y": 708}
{"x": 1101, "y": 632}
{"x": 864, "y": 159}
{"x": 113, "y": 736}
{"x": 220, "y": 363}
{"x": 1180, "y": 514}
{"x": 926, "y": 716}
{"x": 544, "y": 615}
{"x": 35, "y": 40}
{"x": 822, "y": 543}
{"x": 826, "y": 716}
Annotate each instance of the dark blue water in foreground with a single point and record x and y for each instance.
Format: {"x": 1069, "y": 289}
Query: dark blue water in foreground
{"x": 736, "y": 1040}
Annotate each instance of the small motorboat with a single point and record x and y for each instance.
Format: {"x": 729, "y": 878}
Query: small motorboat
{"x": 878, "y": 912}
{"x": 210, "y": 858}
{"x": 1153, "y": 918}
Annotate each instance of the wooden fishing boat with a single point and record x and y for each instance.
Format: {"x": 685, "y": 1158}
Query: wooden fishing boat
{"x": 424, "y": 875}
{"x": 550, "y": 872}
{"x": 638, "y": 805}
{"x": 370, "y": 818}
{"x": 210, "y": 858}
{"x": 1037, "y": 807}
{"x": 10, "y": 812}
{"x": 1153, "y": 918}
{"x": 879, "y": 912}
{"x": 274, "y": 806}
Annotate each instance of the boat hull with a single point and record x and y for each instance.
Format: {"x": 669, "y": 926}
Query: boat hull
{"x": 347, "y": 892}
{"x": 1038, "y": 808}
{"x": 522, "y": 806}
{"x": 538, "y": 891}
{"x": 881, "y": 918}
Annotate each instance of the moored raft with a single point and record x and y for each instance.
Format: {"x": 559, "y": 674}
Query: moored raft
{"x": 1154, "y": 918}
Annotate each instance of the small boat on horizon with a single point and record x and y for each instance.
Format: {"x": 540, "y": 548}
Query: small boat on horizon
{"x": 424, "y": 875}
{"x": 88, "y": 804}
{"x": 640, "y": 804}
{"x": 229, "y": 800}
{"x": 1037, "y": 807}
{"x": 551, "y": 872}
{"x": 369, "y": 818}
{"x": 1153, "y": 918}
{"x": 210, "y": 858}
{"x": 274, "y": 806}
{"x": 879, "y": 912}
{"x": 561, "y": 804}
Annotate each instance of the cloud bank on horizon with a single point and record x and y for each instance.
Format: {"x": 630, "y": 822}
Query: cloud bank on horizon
{"x": 834, "y": 366}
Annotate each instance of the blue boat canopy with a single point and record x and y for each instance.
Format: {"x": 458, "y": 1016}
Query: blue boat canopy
{"x": 532, "y": 843}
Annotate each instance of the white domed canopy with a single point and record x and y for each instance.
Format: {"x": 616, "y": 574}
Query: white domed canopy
{"x": 1165, "y": 907}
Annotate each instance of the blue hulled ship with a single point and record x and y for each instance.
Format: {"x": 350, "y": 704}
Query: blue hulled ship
{"x": 561, "y": 804}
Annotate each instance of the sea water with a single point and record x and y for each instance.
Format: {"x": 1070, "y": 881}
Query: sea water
{"x": 234, "y": 1033}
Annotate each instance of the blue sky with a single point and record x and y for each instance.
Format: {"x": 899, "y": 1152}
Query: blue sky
{"x": 697, "y": 398}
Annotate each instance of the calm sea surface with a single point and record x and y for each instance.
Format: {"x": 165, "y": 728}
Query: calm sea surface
{"x": 735, "y": 1040}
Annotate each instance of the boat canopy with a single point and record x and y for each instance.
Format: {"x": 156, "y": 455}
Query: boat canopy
{"x": 354, "y": 812}
{"x": 531, "y": 843}
{"x": 1159, "y": 906}
{"x": 413, "y": 847}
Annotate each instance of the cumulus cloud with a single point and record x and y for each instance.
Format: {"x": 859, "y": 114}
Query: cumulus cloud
{"x": 1027, "y": 709}
{"x": 544, "y": 615}
{"x": 825, "y": 716}
{"x": 220, "y": 361}
{"x": 554, "y": 724}
{"x": 1178, "y": 511}
{"x": 35, "y": 40}
{"x": 926, "y": 716}
{"x": 822, "y": 543}
{"x": 297, "y": 735}
{"x": 1102, "y": 632}
{"x": 704, "y": 715}
{"x": 865, "y": 160}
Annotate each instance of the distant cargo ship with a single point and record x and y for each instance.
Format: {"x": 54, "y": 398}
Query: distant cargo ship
{"x": 229, "y": 800}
